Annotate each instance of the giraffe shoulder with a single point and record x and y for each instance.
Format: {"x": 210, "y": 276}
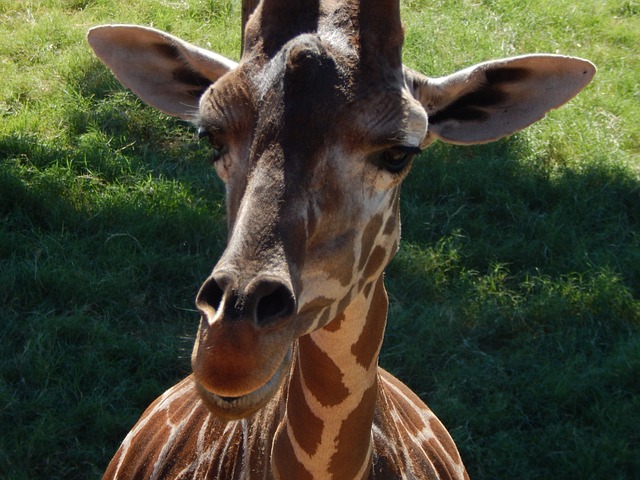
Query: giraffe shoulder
{"x": 168, "y": 439}
{"x": 409, "y": 440}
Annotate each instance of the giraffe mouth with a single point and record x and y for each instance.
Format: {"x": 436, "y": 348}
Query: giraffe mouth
{"x": 233, "y": 408}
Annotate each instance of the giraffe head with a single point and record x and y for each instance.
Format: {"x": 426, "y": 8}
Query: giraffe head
{"x": 313, "y": 132}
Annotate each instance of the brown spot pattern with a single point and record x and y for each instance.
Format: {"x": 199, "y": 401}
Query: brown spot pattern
{"x": 438, "y": 457}
{"x": 391, "y": 225}
{"x": 344, "y": 271}
{"x": 336, "y": 323}
{"x": 283, "y": 449}
{"x": 367, "y": 289}
{"x": 326, "y": 383}
{"x": 366, "y": 347}
{"x": 444, "y": 438}
{"x": 376, "y": 261}
{"x": 316, "y": 304}
{"x": 368, "y": 239}
{"x": 402, "y": 417}
{"x": 306, "y": 426}
{"x": 351, "y": 442}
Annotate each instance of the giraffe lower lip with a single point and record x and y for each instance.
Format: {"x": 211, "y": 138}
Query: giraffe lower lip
{"x": 229, "y": 399}
{"x": 237, "y": 407}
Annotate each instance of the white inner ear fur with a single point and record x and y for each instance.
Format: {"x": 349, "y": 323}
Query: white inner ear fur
{"x": 497, "y": 98}
{"x": 164, "y": 71}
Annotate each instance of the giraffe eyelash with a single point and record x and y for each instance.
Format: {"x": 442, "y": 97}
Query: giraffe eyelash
{"x": 218, "y": 153}
{"x": 394, "y": 160}
{"x": 217, "y": 147}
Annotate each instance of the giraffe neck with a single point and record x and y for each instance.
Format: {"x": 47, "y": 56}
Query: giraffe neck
{"x": 332, "y": 394}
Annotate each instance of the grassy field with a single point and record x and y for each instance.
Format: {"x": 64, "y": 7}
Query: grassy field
{"x": 515, "y": 305}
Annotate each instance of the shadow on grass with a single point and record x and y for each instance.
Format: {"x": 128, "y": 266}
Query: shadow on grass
{"x": 102, "y": 249}
{"x": 515, "y": 309}
{"x": 511, "y": 208}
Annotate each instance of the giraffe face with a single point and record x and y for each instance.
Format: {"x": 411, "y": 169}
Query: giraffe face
{"x": 313, "y": 132}
{"x": 312, "y": 155}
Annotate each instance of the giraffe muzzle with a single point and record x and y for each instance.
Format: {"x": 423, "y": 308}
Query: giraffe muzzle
{"x": 243, "y": 347}
{"x": 234, "y": 408}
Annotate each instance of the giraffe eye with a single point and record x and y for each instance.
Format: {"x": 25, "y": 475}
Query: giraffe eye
{"x": 217, "y": 148}
{"x": 395, "y": 159}
{"x": 202, "y": 134}
{"x": 217, "y": 153}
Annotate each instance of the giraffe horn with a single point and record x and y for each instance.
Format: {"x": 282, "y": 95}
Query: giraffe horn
{"x": 281, "y": 20}
{"x": 381, "y": 29}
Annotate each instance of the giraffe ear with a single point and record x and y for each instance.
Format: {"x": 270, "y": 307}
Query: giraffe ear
{"x": 164, "y": 71}
{"x": 494, "y": 99}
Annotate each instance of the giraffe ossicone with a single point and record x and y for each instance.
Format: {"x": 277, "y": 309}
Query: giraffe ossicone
{"x": 312, "y": 131}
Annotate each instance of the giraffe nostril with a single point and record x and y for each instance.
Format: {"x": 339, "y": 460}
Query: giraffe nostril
{"x": 275, "y": 301}
{"x": 211, "y": 294}
{"x": 265, "y": 300}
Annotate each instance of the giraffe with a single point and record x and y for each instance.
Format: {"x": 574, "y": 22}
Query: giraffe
{"x": 312, "y": 132}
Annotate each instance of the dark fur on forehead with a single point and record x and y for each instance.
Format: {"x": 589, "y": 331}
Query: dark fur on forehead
{"x": 271, "y": 26}
{"x": 381, "y": 33}
{"x": 312, "y": 93}
{"x": 373, "y": 25}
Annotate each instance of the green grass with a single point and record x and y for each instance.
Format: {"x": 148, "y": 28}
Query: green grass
{"x": 515, "y": 297}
